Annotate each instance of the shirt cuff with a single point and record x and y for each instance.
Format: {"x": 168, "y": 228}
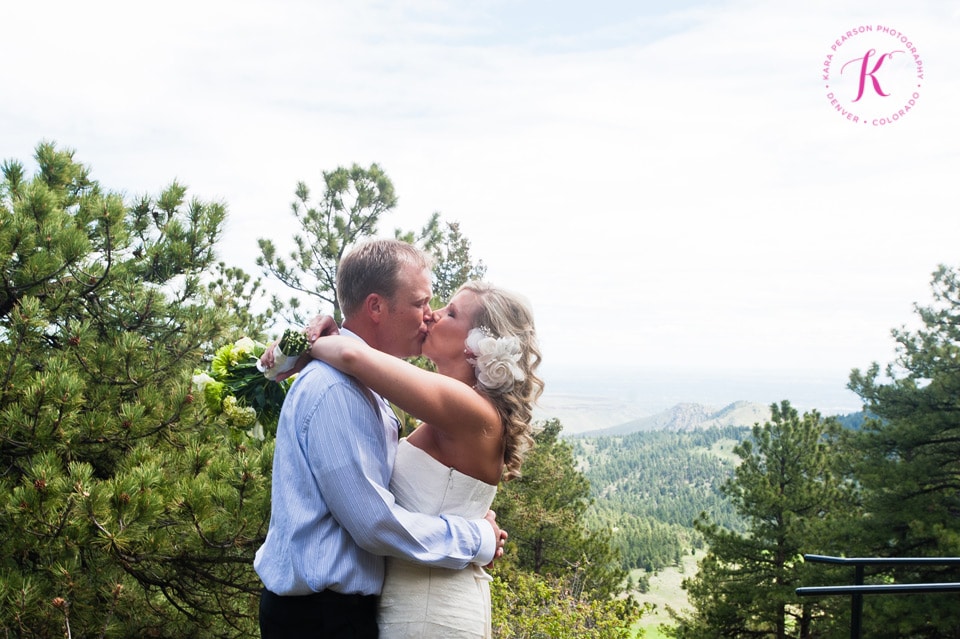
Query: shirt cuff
{"x": 488, "y": 543}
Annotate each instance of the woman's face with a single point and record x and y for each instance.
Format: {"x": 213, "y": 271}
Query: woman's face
{"x": 448, "y": 331}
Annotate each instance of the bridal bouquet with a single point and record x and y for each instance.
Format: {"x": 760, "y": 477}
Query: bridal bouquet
{"x": 236, "y": 386}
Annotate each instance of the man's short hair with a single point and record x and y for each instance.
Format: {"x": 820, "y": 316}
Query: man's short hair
{"x": 373, "y": 266}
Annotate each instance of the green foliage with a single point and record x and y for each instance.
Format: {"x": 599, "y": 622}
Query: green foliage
{"x": 886, "y": 485}
{"x": 649, "y": 487}
{"x": 533, "y": 607}
{"x": 544, "y": 513}
{"x": 558, "y": 578}
{"x": 131, "y": 508}
{"x": 123, "y": 513}
{"x": 349, "y": 211}
{"x": 237, "y": 293}
{"x": 453, "y": 264}
{"x": 909, "y": 464}
{"x": 788, "y": 490}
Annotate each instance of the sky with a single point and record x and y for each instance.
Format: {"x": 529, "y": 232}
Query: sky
{"x": 668, "y": 183}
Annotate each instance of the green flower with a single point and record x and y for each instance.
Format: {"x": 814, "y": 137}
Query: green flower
{"x": 223, "y": 361}
{"x": 235, "y": 388}
{"x": 238, "y": 416}
{"x": 212, "y": 391}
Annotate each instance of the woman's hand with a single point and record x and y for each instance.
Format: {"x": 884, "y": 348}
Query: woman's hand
{"x": 267, "y": 360}
{"x": 321, "y": 326}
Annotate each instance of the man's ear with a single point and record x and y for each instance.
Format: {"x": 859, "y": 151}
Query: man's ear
{"x": 375, "y": 307}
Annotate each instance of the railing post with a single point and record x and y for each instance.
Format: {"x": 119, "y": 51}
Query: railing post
{"x": 856, "y": 605}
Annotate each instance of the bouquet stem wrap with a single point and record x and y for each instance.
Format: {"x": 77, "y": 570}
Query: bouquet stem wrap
{"x": 292, "y": 345}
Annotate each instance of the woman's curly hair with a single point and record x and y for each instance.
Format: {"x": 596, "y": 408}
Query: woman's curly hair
{"x": 504, "y": 313}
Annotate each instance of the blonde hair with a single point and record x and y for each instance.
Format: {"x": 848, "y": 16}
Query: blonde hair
{"x": 505, "y": 313}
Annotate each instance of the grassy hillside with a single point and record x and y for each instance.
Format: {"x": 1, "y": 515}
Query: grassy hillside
{"x": 664, "y": 593}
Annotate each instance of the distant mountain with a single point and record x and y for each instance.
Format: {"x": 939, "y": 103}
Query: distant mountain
{"x": 686, "y": 417}
{"x": 587, "y": 400}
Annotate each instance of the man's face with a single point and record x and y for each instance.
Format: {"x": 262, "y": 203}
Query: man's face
{"x": 405, "y": 325}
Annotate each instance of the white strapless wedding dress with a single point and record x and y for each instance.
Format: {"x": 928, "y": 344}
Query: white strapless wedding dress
{"x": 434, "y": 603}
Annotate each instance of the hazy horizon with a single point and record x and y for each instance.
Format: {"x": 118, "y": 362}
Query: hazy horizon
{"x": 589, "y": 400}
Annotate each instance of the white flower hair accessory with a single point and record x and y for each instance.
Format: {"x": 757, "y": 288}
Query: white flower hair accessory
{"x": 496, "y": 359}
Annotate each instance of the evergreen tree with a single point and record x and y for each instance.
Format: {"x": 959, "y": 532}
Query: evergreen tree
{"x": 909, "y": 466}
{"x": 543, "y": 511}
{"x": 453, "y": 263}
{"x": 123, "y": 511}
{"x": 650, "y": 486}
{"x": 786, "y": 488}
{"x": 350, "y": 208}
{"x": 126, "y": 510}
{"x": 532, "y": 605}
{"x": 558, "y": 579}
{"x": 353, "y": 202}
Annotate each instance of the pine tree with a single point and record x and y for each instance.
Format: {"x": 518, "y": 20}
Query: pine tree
{"x": 453, "y": 262}
{"x": 123, "y": 511}
{"x": 787, "y": 489}
{"x": 543, "y": 511}
{"x": 350, "y": 208}
{"x": 558, "y": 578}
{"x": 910, "y": 465}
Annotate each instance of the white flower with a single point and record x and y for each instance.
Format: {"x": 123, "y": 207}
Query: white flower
{"x": 244, "y": 346}
{"x": 200, "y": 381}
{"x": 496, "y": 359}
{"x": 257, "y": 432}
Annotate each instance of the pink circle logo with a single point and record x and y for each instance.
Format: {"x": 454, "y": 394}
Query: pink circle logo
{"x": 873, "y": 75}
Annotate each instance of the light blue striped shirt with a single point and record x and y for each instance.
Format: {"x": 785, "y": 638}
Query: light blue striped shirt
{"x": 333, "y": 517}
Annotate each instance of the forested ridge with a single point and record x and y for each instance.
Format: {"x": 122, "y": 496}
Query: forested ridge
{"x": 649, "y": 487}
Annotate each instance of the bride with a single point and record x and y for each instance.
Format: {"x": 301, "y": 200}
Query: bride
{"x": 475, "y": 429}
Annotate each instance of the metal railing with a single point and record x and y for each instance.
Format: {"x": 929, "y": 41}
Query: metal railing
{"x": 858, "y": 589}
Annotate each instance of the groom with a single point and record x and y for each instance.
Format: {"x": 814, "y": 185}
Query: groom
{"x": 333, "y": 518}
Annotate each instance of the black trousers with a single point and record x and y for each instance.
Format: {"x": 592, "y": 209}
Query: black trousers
{"x": 322, "y": 615}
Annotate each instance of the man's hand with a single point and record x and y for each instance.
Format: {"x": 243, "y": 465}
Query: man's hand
{"x": 499, "y": 533}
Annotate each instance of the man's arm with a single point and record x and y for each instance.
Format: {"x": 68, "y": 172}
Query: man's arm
{"x": 345, "y": 439}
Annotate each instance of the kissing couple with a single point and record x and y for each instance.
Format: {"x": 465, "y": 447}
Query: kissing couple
{"x": 375, "y": 536}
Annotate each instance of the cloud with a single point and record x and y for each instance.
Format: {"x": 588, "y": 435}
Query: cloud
{"x": 667, "y": 183}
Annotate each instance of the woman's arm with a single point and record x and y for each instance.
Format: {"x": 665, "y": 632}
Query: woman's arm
{"x": 444, "y": 402}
